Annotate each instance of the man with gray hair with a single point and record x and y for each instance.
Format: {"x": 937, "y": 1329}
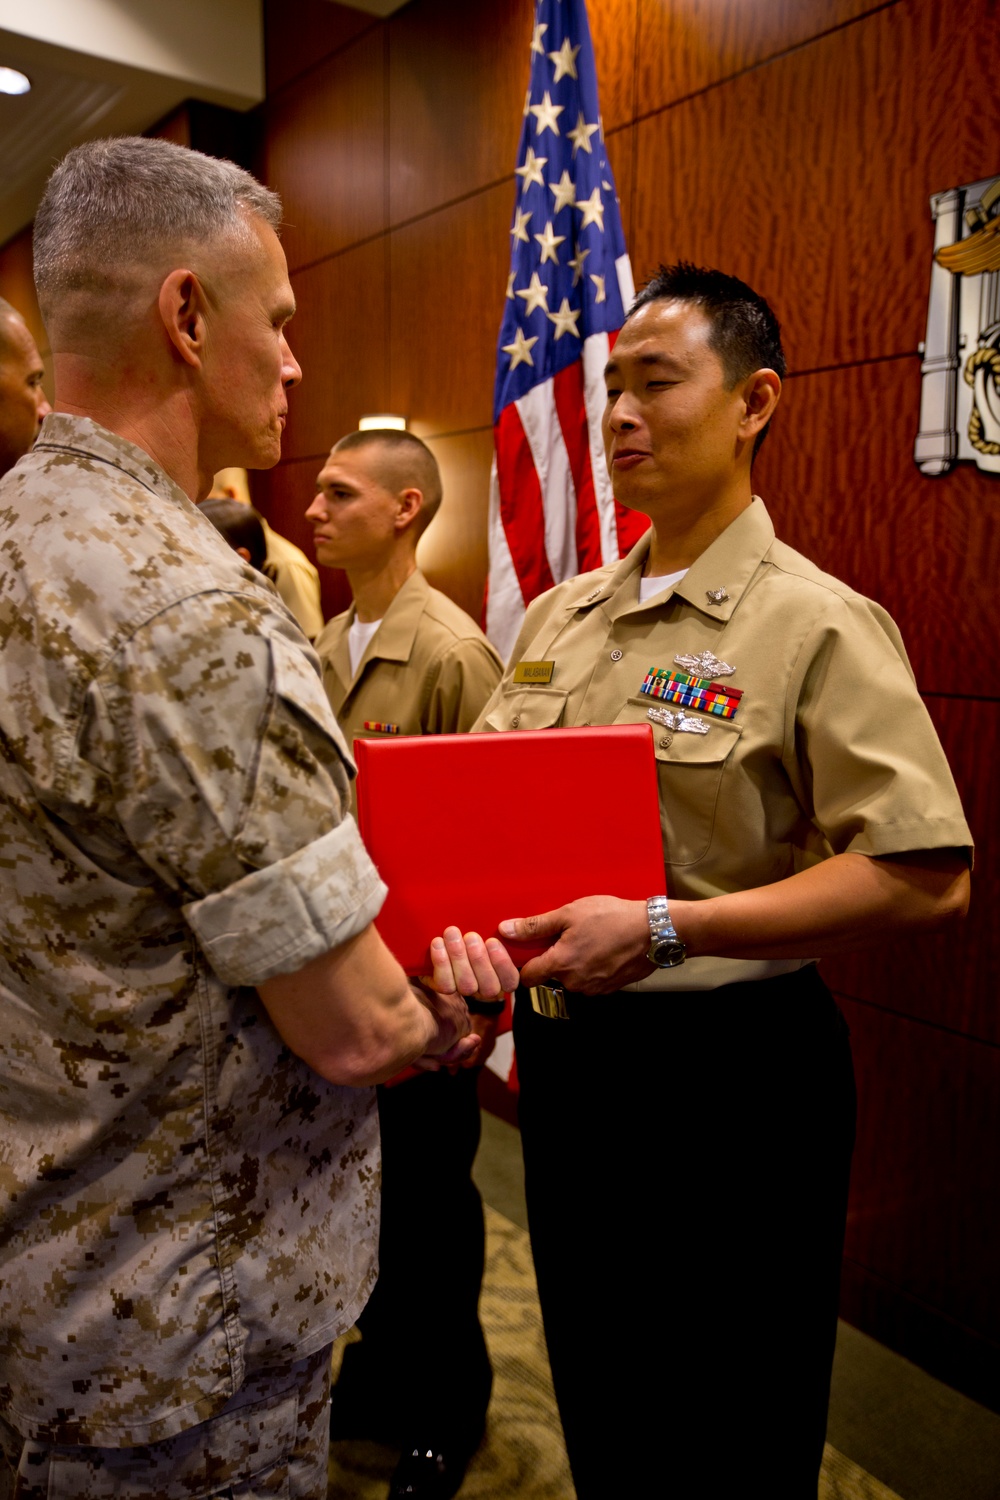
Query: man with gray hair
{"x": 194, "y": 996}
{"x": 22, "y": 400}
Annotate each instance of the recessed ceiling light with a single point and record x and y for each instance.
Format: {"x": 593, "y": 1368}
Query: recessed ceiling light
{"x": 375, "y": 421}
{"x": 13, "y": 82}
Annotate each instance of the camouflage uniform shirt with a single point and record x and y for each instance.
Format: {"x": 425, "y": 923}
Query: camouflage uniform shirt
{"x": 184, "y": 1202}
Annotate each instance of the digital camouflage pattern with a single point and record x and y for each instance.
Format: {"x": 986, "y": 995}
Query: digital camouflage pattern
{"x": 184, "y": 1201}
{"x": 271, "y": 1442}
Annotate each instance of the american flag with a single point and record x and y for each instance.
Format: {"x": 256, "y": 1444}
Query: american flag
{"x": 552, "y": 513}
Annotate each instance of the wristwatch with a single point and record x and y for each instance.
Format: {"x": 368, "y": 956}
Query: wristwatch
{"x": 665, "y": 949}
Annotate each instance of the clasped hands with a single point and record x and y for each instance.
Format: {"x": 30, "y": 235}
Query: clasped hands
{"x": 599, "y": 945}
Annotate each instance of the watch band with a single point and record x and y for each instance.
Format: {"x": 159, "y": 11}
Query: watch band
{"x": 666, "y": 948}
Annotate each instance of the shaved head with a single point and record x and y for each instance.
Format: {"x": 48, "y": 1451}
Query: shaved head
{"x": 22, "y": 399}
{"x": 400, "y": 461}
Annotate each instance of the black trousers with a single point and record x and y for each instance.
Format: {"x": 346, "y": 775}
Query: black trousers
{"x": 421, "y": 1371}
{"x": 687, "y": 1160}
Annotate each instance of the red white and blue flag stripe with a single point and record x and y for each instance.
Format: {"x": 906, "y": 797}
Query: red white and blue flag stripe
{"x": 552, "y": 512}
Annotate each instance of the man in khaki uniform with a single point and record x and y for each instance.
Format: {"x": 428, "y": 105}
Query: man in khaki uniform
{"x": 405, "y": 660}
{"x": 287, "y": 566}
{"x": 195, "y": 999}
{"x": 23, "y": 404}
{"x": 686, "y": 1086}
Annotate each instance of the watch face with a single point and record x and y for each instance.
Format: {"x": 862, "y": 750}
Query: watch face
{"x": 667, "y": 953}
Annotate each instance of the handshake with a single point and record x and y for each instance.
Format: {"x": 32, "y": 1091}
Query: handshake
{"x": 596, "y": 945}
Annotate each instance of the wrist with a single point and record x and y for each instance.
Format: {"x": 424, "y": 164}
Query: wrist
{"x": 484, "y": 1007}
{"x": 666, "y": 949}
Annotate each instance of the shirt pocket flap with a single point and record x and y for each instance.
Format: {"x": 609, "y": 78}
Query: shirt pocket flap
{"x": 528, "y": 708}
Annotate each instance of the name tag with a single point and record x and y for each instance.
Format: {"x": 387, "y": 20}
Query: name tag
{"x": 534, "y": 671}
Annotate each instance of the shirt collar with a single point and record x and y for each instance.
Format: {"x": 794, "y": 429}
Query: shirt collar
{"x": 393, "y": 641}
{"x": 395, "y": 636}
{"x": 61, "y": 431}
{"x": 727, "y": 565}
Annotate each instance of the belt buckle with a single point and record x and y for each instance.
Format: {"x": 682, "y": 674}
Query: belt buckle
{"x": 549, "y": 1000}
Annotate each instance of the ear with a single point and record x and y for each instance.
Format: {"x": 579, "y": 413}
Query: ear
{"x": 182, "y": 308}
{"x": 243, "y": 552}
{"x": 408, "y": 503}
{"x": 761, "y": 394}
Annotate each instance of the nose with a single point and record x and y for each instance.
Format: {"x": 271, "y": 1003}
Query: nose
{"x": 621, "y": 418}
{"x": 291, "y": 371}
{"x": 43, "y": 407}
{"x": 317, "y": 510}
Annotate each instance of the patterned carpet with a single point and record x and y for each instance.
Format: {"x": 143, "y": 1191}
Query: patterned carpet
{"x": 522, "y": 1454}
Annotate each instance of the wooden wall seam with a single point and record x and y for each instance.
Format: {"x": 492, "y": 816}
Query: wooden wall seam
{"x": 841, "y": 993}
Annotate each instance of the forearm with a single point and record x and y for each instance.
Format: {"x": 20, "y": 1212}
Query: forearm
{"x": 847, "y": 902}
{"x": 599, "y": 943}
{"x": 351, "y": 1014}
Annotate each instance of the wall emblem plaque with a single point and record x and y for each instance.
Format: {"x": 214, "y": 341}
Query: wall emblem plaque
{"x": 960, "y": 397}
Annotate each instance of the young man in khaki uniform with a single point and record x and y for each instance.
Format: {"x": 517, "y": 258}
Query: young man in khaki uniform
{"x": 287, "y": 566}
{"x": 405, "y": 660}
{"x": 687, "y": 1104}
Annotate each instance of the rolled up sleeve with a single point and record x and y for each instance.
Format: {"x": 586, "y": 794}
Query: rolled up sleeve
{"x": 278, "y": 918}
{"x": 232, "y": 782}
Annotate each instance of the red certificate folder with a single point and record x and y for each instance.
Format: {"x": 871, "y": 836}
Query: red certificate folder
{"x": 468, "y": 829}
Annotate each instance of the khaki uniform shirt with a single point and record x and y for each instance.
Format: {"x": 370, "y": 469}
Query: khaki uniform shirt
{"x": 184, "y": 1202}
{"x": 830, "y": 750}
{"x": 296, "y": 580}
{"x": 428, "y": 669}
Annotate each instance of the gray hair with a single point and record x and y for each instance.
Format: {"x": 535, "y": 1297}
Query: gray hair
{"x": 116, "y": 204}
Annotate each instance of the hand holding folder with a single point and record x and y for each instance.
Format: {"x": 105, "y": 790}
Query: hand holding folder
{"x": 571, "y": 813}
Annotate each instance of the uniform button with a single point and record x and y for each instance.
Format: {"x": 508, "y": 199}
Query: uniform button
{"x": 666, "y": 742}
{"x": 616, "y": 655}
{"x": 515, "y": 720}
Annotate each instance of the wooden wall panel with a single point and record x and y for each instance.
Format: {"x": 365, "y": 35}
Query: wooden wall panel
{"x": 621, "y": 152}
{"x": 457, "y": 76}
{"x": 942, "y": 978}
{"x": 685, "y": 45}
{"x": 297, "y": 36}
{"x": 786, "y": 176}
{"x": 283, "y": 496}
{"x": 339, "y": 339}
{"x": 838, "y": 476}
{"x": 452, "y": 552}
{"x": 17, "y": 286}
{"x": 613, "y": 26}
{"x": 448, "y": 274}
{"x": 925, "y": 1211}
{"x": 324, "y": 150}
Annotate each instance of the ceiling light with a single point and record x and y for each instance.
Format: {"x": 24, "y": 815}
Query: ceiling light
{"x": 382, "y": 419}
{"x": 13, "y": 82}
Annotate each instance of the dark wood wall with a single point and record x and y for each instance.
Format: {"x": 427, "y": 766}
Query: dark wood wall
{"x": 795, "y": 144}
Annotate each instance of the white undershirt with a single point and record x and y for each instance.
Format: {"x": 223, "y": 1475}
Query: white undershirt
{"x": 357, "y": 640}
{"x": 648, "y": 587}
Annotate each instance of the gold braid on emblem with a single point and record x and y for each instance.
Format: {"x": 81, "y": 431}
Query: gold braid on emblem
{"x": 990, "y": 358}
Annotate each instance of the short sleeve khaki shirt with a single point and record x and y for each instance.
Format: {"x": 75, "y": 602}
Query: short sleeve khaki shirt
{"x": 295, "y": 578}
{"x": 428, "y": 669}
{"x": 184, "y": 1201}
{"x": 829, "y": 750}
